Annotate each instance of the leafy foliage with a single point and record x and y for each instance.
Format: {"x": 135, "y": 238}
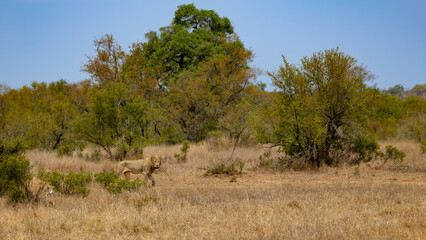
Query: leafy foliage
{"x": 392, "y": 153}
{"x": 67, "y": 183}
{"x": 15, "y": 177}
{"x": 15, "y": 172}
{"x": 13, "y": 147}
{"x": 114, "y": 185}
{"x": 397, "y": 89}
{"x": 321, "y": 108}
{"x": 106, "y": 178}
{"x": 200, "y": 99}
{"x": 125, "y": 184}
{"x": 114, "y": 117}
{"x": 181, "y": 157}
{"x": 419, "y": 89}
{"x": 193, "y": 37}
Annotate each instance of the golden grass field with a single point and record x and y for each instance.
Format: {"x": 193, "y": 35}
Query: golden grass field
{"x": 329, "y": 203}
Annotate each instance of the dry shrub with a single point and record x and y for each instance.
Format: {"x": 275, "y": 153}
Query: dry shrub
{"x": 227, "y": 167}
{"x": 414, "y": 160}
{"x": 223, "y": 143}
{"x": 219, "y": 143}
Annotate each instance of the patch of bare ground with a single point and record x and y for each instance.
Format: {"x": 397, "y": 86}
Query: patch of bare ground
{"x": 329, "y": 203}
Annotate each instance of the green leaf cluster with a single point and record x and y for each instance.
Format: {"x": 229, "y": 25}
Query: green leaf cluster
{"x": 71, "y": 183}
{"x": 114, "y": 185}
{"x": 15, "y": 177}
{"x": 181, "y": 157}
{"x": 15, "y": 171}
{"x": 321, "y": 108}
{"x": 114, "y": 117}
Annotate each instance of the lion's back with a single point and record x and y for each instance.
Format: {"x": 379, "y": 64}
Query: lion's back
{"x": 140, "y": 164}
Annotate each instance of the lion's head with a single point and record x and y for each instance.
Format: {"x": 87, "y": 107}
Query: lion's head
{"x": 156, "y": 162}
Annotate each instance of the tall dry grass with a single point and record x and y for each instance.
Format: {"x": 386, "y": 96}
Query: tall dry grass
{"x": 330, "y": 203}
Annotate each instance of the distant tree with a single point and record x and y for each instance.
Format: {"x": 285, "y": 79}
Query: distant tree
{"x": 419, "y": 90}
{"x": 397, "y": 89}
{"x": 386, "y": 115}
{"x": 321, "y": 108}
{"x": 4, "y": 89}
{"x": 192, "y": 38}
{"x": 106, "y": 66}
{"x": 415, "y": 119}
{"x": 192, "y": 18}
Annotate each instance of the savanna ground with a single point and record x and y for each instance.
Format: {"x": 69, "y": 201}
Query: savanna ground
{"x": 329, "y": 203}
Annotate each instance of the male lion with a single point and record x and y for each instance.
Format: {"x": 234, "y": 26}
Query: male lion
{"x": 144, "y": 166}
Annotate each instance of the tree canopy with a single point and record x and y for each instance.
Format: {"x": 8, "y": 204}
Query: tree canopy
{"x": 320, "y": 108}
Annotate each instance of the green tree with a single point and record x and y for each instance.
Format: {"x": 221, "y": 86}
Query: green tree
{"x": 41, "y": 115}
{"x": 415, "y": 120}
{"x": 395, "y": 90}
{"x": 106, "y": 65}
{"x": 199, "y": 99}
{"x": 320, "y": 107}
{"x": 192, "y": 38}
{"x": 114, "y": 117}
{"x": 419, "y": 90}
{"x": 193, "y": 69}
{"x": 386, "y": 115}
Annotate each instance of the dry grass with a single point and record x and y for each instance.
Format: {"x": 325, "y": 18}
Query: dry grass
{"x": 331, "y": 203}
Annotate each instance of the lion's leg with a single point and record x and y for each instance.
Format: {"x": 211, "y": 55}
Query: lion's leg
{"x": 146, "y": 177}
{"x": 152, "y": 180}
{"x": 127, "y": 175}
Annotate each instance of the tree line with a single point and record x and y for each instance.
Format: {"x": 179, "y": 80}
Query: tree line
{"x": 193, "y": 80}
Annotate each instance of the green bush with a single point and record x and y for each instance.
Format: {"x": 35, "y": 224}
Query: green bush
{"x": 366, "y": 148}
{"x": 114, "y": 185}
{"x": 15, "y": 177}
{"x": 15, "y": 171}
{"x": 125, "y": 184}
{"x": 68, "y": 147}
{"x": 69, "y": 184}
{"x": 11, "y": 148}
{"x": 106, "y": 178}
{"x": 181, "y": 157}
{"x": 392, "y": 153}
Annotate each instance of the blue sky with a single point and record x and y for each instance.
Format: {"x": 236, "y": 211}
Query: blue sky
{"x": 48, "y": 40}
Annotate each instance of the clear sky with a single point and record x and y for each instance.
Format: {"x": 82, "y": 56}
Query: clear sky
{"x": 48, "y": 40}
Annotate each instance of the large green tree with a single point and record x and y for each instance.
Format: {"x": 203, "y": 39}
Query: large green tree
{"x": 192, "y": 38}
{"x": 321, "y": 109}
{"x": 199, "y": 99}
{"x": 114, "y": 117}
{"x": 195, "y": 68}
